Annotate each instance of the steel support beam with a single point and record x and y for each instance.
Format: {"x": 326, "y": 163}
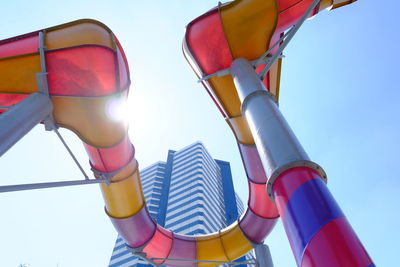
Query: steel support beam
{"x": 263, "y": 256}
{"x": 22, "y": 187}
{"x": 22, "y": 117}
{"x": 229, "y": 263}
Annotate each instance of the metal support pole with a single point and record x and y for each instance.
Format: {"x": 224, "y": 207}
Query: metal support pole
{"x": 69, "y": 150}
{"x": 21, "y": 118}
{"x": 22, "y": 187}
{"x": 263, "y": 255}
{"x": 276, "y": 143}
{"x": 318, "y": 232}
{"x": 229, "y": 263}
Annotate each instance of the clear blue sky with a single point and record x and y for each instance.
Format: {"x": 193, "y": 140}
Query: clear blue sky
{"x": 339, "y": 92}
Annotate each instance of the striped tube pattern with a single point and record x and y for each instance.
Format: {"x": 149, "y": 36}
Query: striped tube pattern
{"x": 127, "y": 210}
{"x": 317, "y": 229}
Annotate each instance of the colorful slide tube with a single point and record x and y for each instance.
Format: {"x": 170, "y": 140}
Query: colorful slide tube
{"x": 87, "y": 73}
{"x": 231, "y": 36}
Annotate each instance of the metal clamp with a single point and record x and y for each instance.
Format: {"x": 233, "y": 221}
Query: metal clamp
{"x": 255, "y": 94}
{"x": 303, "y": 163}
{"x": 142, "y": 255}
{"x": 109, "y": 175}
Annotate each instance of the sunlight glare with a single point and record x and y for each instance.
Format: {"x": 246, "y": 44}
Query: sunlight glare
{"x": 117, "y": 109}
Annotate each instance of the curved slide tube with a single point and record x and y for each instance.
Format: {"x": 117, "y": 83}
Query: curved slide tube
{"x": 87, "y": 73}
{"x": 242, "y": 31}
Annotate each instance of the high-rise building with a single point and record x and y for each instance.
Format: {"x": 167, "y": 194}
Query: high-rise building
{"x": 191, "y": 193}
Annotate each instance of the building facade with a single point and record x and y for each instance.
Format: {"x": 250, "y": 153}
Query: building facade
{"x": 191, "y": 193}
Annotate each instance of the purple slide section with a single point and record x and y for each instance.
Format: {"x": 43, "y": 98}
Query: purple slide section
{"x": 183, "y": 247}
{"x": 135, "y": 230}
{"x": 252, "y": 164}
{"x": 254, "y": 227}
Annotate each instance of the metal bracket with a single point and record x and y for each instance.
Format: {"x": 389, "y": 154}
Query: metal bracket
{"x": 267, "y": 58}
{"x": 140, "y": 254}
{"x": 43, "y": 86}
{"x": 109, "y": 175}
{"x": 41, "y": 79}
{"x": 288, "y": 37}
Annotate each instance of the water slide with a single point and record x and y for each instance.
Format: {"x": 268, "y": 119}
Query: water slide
{"x": 81, "y": 68}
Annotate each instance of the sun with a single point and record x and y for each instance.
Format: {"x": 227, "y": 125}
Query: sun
{"x": 118, "y": 109}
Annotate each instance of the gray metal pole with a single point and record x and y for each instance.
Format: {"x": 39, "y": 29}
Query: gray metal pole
{"x": 22, "y": 187}
{"x": 263, "y": 256}
{"x": 276, "y": 144}
{"x": 21, "y": 118}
